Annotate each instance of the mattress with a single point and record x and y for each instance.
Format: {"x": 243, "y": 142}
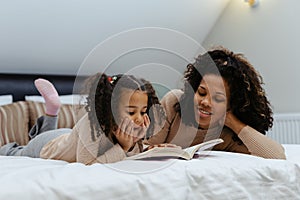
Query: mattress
{"x": 215, "y": 175}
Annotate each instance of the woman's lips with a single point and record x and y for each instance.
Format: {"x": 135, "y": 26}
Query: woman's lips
{"x": 203, "y": 113}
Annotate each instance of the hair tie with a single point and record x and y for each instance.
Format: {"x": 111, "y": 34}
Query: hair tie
{"x": 112, "y": 79}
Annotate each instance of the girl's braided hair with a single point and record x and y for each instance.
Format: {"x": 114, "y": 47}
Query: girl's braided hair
{"x": 248, "y": 101}
{"x": 102, "y": 90}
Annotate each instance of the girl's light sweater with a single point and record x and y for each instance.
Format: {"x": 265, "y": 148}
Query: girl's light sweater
{"x": 78, "y": 146}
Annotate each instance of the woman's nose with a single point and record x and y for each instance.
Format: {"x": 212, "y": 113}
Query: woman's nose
{"x": 205, "y": 101}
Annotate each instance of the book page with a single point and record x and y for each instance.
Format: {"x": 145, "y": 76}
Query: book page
{"x": 187, "y": 153}
{"x": 202, "y": 146}
{"x": 161, "y": 152}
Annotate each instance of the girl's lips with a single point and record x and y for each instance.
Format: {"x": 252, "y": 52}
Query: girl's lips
{"x": 136, "y": 126}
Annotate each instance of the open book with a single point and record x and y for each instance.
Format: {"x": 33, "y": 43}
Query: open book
{"x": 187, "y": 153}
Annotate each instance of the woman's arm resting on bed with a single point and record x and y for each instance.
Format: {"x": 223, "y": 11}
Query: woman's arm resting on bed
{"x": 260, "y": 145}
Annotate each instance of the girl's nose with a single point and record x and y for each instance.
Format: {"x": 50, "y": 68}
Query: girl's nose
{"x": 138, "y": 120}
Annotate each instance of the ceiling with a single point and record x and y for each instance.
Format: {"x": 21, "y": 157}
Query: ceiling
{"x": 55, "y": 36}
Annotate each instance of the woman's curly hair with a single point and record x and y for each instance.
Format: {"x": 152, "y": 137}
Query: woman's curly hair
{"x": 248, "y": 101}
{"x": 104, "y": 91}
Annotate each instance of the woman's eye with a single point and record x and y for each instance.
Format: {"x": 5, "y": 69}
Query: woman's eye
{"x": 143, "y": 113}
{"x": 202, "y": 93}
{"x": 219, "y": 99}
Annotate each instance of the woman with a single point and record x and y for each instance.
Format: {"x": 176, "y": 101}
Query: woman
{"x": 222, "y": 97}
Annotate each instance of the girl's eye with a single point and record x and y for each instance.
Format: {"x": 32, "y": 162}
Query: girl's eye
{"x": 131, "y": 113}
{"x": 143, "y": 113}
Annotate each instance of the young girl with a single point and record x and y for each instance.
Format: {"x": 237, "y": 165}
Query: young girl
{"x": 118, "y": 117}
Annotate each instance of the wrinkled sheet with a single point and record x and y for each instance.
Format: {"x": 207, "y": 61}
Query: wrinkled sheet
{"x": 215, "y": 175}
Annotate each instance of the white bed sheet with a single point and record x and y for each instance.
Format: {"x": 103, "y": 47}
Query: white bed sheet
{"x": 218, "y": 175}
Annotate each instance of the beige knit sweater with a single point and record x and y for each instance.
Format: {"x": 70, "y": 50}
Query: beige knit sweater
{"x": 253, "y": 142}
{"x": 78, "y": 146}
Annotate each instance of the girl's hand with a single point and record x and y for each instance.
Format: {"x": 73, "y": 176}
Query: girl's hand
{"x": 129, "y": 133}
{"x": 162, "y": 145}
{"x": 124, "y": 134}
{"x": 232, "y": 122}
{"x": 142, "y": 130}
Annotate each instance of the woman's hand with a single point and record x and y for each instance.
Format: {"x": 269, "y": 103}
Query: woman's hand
{"x": 232, "y": 122}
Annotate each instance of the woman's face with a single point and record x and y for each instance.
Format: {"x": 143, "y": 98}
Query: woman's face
{"x": 133, "y": 105}
{"x": 211, "y": 101}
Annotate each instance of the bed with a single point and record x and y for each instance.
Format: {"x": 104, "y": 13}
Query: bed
{"x": 214, "y": 175}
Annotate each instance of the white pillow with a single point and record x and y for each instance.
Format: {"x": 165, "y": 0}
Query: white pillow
{"x": 64, "y": 99}
{"x": 6, "y": 99}
{"x": 73, "y": 99}
{"x": 36, "y": 98}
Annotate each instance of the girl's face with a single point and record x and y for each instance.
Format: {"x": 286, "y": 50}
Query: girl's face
{"x": 133, "y": 105}
{"x": 211, "y": 101}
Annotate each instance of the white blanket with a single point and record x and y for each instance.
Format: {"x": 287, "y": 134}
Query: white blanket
{"x": 218, "y": 175}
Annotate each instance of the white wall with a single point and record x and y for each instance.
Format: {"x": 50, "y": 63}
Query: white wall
{"x": 55, "y": 36}
{"x": 269, "y": 37}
